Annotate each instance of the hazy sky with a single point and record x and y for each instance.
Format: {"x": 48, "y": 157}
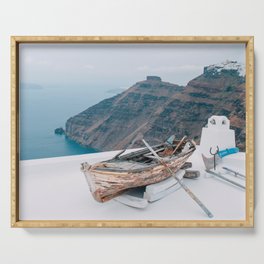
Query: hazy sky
{"x": 119, "y": 65}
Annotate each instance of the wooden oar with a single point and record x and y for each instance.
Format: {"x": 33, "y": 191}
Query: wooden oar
{"x": 209, "y": 214}
{"x": 179, "y": 144}
{"x": 138, "y": 137}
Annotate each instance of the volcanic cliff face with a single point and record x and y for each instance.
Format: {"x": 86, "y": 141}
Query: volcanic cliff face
{"x": 159, "y": 109}
{"x": 113, "y": 123}
{"x": 220, "y": 90}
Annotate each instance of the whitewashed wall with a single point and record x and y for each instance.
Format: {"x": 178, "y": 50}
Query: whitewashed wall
{"x": 137, "y": 17}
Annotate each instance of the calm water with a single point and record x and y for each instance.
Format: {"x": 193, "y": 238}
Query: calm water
{"x": 43, "y": 110}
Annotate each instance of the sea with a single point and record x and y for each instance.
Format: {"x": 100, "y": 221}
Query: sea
{"x": 45, "y": 108}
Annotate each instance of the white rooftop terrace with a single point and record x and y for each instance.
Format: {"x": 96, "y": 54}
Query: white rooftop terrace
{"x": 56, "y": 189}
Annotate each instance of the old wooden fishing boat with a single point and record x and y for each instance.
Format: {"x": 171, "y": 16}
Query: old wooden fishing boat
{"x": 110, "y": 178}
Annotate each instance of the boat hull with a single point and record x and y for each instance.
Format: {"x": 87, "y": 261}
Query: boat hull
{"x": 105, "y": 185}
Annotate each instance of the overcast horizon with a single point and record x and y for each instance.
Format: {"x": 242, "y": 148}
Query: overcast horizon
{"x": 119, "y": 65}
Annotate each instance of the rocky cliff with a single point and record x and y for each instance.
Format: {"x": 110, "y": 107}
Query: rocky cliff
{"x": 158, "y": 109}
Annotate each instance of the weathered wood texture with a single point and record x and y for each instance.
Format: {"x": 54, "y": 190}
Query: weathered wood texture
{"x": 105, "y": 184}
